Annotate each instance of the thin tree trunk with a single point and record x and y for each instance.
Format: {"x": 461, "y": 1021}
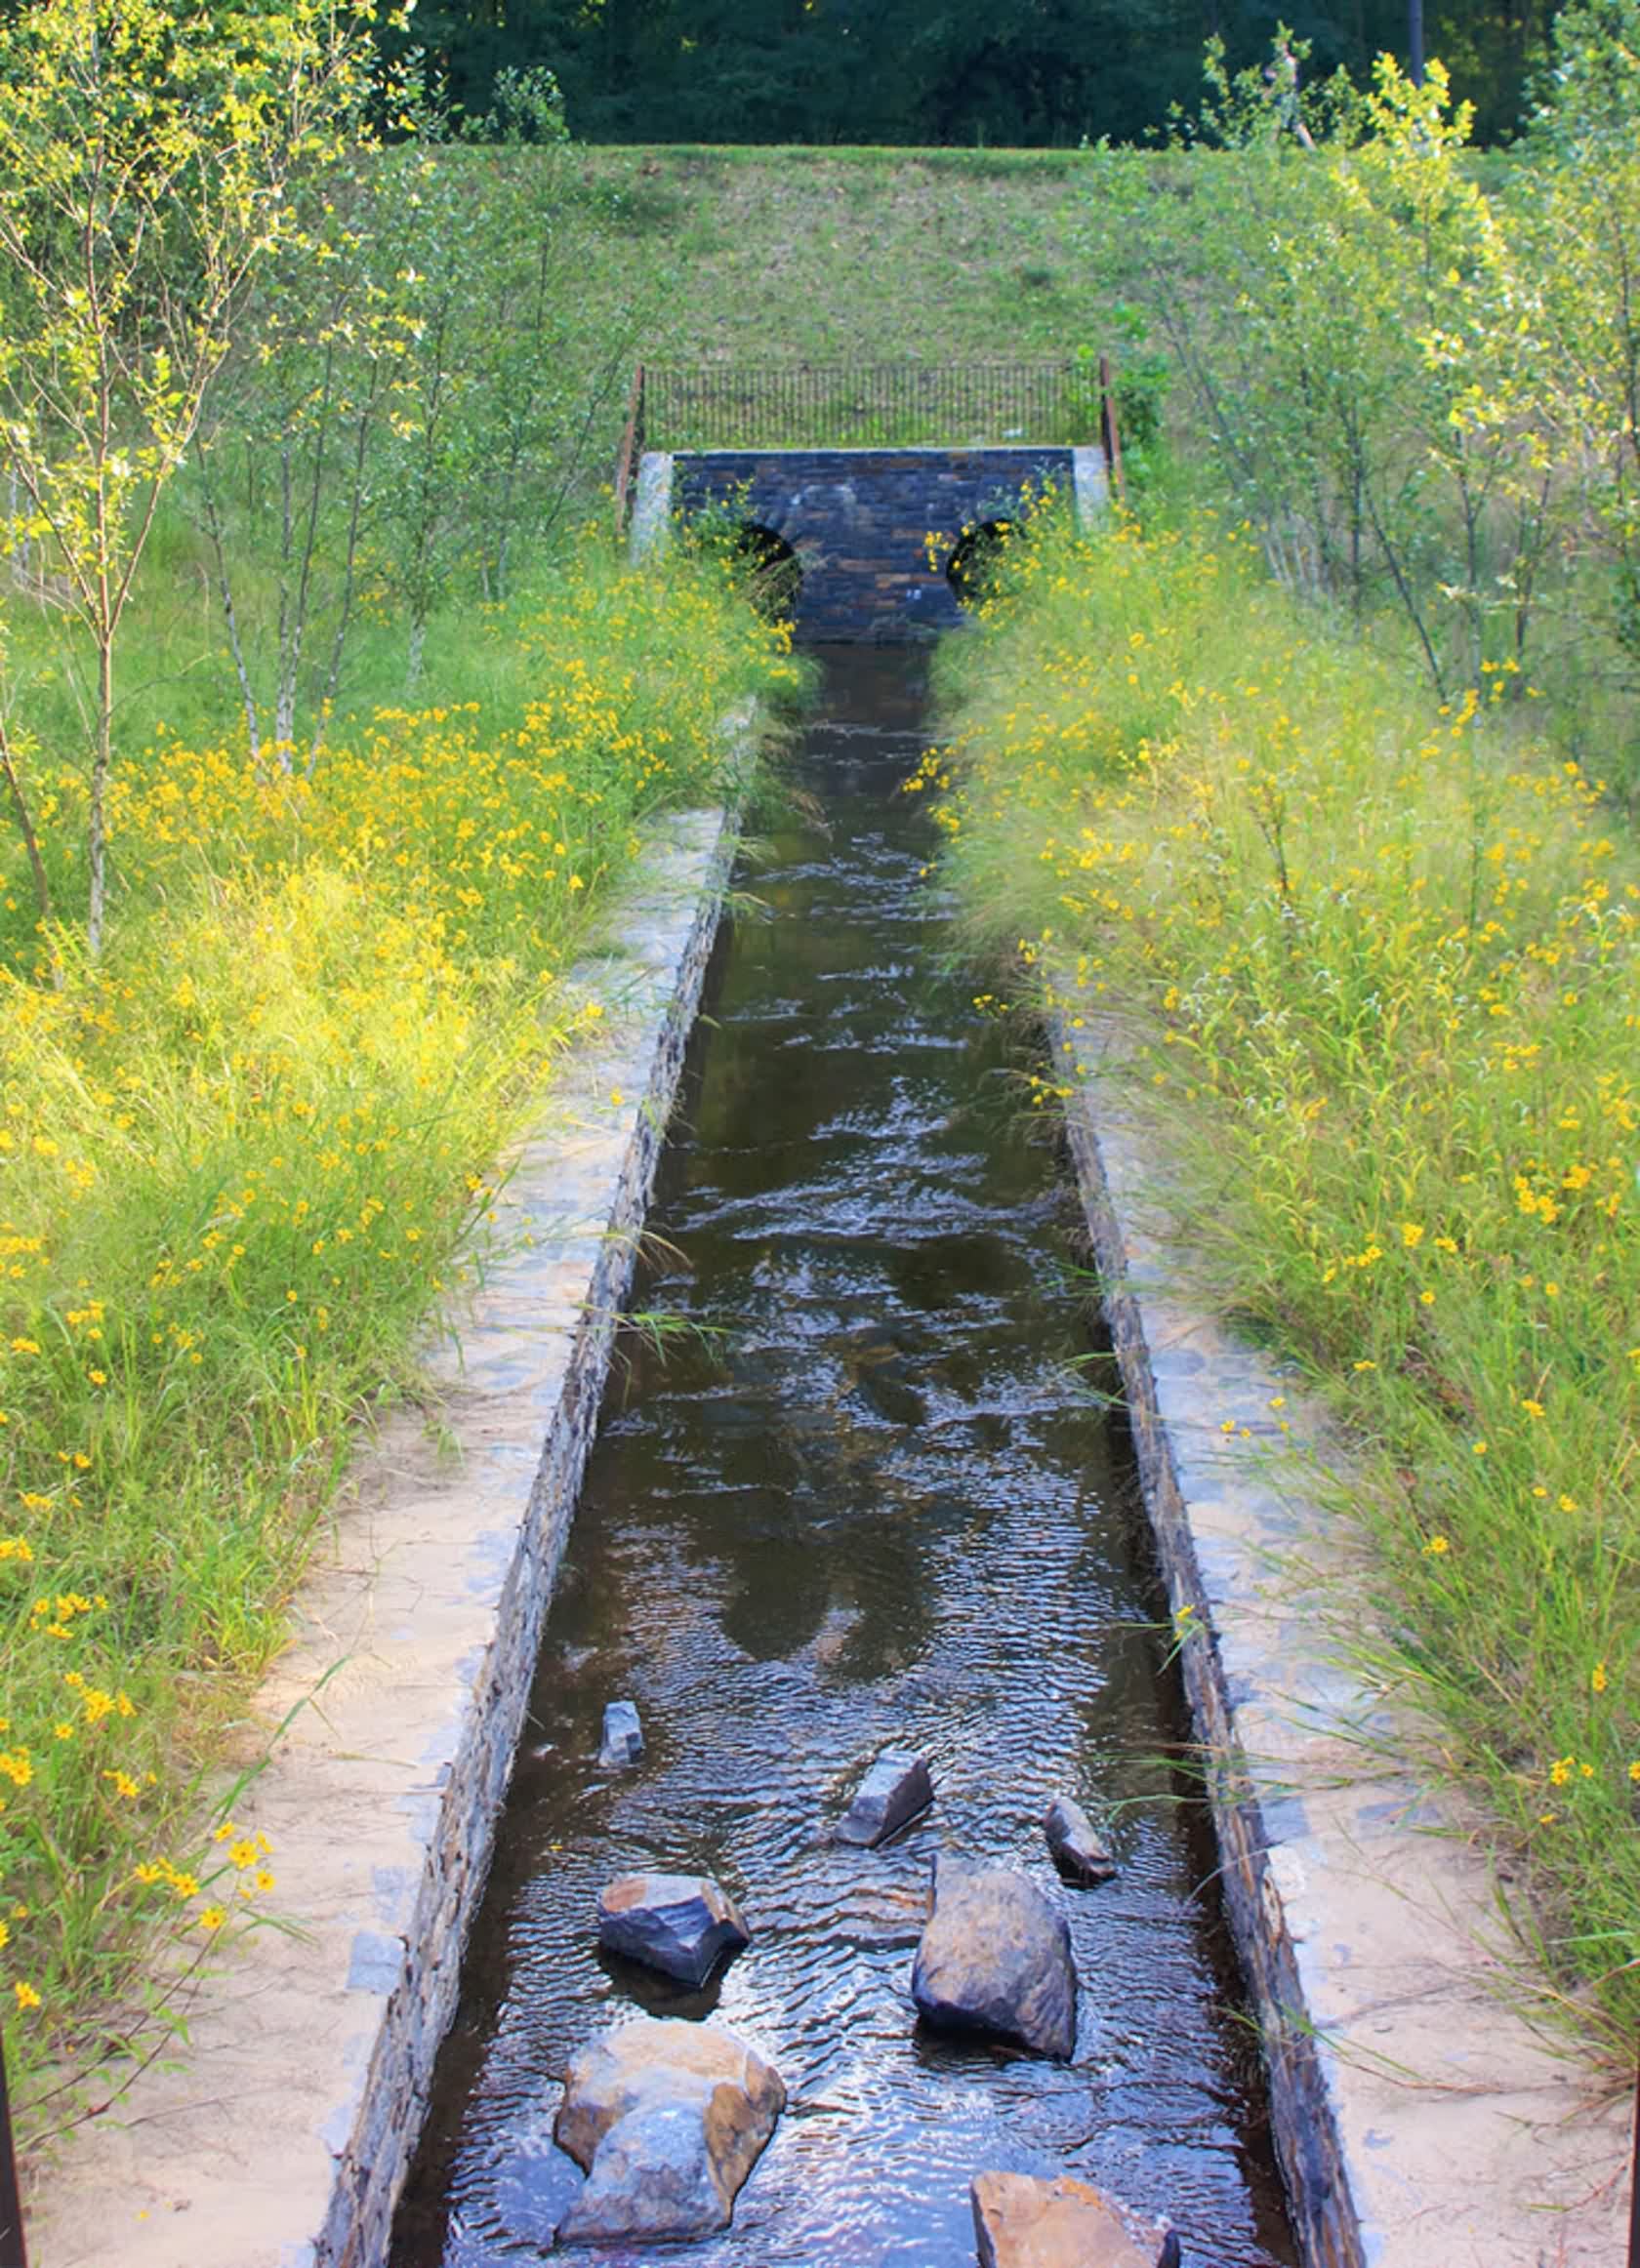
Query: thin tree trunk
{"x": 1528, "y": 557}
{"x": 97, "y": 827}
{"x": 224, "y": 589}
{"x": 284, "y": 697}
{"x": 344, "y": 612}
{"x": 290, "y": 659}
{"x": 1413, "y": 613}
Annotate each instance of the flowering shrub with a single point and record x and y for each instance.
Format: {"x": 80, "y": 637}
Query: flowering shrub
{"x": 239, "y": 1156}
{"x": 1380, "y": 960}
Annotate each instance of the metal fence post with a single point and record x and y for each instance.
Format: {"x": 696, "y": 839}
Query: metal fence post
{"x": 1109, "y": 432}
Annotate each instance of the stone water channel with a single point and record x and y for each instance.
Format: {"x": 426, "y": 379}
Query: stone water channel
{"x": 859, "y": 1496}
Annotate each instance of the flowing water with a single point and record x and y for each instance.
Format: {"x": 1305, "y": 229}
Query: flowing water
{"x": 870, "y": 1501}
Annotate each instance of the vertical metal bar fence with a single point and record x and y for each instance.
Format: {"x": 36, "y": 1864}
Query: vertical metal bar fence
{"x": 865, "y": 405}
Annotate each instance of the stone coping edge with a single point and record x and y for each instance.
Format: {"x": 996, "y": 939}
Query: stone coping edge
{"x": 1301, "y": 2083}
{"x": 1420, "y": 2120}
{"x": 373, "y": 2165}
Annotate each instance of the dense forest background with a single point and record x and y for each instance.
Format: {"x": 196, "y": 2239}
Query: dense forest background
{"x": 966, "y": 72}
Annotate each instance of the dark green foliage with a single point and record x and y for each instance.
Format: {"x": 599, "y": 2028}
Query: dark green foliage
{"x": 1034, "y": 73}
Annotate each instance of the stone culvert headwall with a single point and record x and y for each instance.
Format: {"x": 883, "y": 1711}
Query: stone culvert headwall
{"x": 873, "y": 529}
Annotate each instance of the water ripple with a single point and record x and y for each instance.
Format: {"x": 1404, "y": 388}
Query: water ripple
{"x": 879, "y": 1509}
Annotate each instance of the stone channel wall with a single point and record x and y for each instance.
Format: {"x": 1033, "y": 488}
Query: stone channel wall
{"x": 283, "y": 2138}
{"x": 672, "y": 942}
{"x": 1418, "y": 2121}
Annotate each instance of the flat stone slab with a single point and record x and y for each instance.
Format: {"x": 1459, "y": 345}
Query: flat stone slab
{"x": 895, "y": 1790}
{"x": 682, "y": 1925}
{"x": 996, "y": 1958}
{"x": 1021, "y": 2221}
{"x": 668, "y": 2119}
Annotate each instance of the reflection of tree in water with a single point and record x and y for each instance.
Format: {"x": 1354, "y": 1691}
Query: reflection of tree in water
{"x": 856, "y": 1569}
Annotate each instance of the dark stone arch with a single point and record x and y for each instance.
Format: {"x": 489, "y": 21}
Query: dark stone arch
{"x": 865, "y": 523}
{"x": 770, "y": 570}
{"x": 971, "y": 569}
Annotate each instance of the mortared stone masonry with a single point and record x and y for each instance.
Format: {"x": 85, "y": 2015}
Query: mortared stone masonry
{"x": 873, "y": 529}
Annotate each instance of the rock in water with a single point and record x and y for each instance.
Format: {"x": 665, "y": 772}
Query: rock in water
{"x": 668, "y": 2119}
{"x": 995, "y": 1956}
{"x": 1078, "y": 1852}
{"x": 895, "y": 1789}
{"x": 679, "y": 1923}
{"x": 1022, "y": 2222}
{"x": 623, "y": 1736}
{"x": 652, "y": 2178}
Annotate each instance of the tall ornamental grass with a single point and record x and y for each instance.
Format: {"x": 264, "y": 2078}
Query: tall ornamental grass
{"x": 240, "y": 1153}
{"x": 1376, "y": 960}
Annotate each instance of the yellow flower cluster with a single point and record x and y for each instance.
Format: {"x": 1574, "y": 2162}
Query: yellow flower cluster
{"x": 240, "y": 1158}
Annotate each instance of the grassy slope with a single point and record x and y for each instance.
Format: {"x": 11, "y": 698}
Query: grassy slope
{"x": 801, "y": 254}
{"x": 1381, "y": 973}
{"x": 240, "y": 1158}
{"x": 793, "y": 255}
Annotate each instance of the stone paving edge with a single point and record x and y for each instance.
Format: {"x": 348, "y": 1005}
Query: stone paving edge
{"x": 1418, "y": 2121}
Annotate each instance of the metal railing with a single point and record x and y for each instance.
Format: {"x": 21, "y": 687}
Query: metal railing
{"x": 867, "y": 405}
{"x": 871, "y": 405}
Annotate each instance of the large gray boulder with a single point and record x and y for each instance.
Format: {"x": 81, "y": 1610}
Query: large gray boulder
{"x": 1077, "y": 1851}
{"x": 895, "y": 1791}
{"x": 668, "y": 2120}
{"x": 1023, "y": 2222}
{"x": 682, "y": 1925}
{"x": 995, "y": 1956}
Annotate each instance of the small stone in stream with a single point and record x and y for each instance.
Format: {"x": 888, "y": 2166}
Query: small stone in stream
{"x": 668, "y": 2119}
{"x": 1078, "y": 1852}
{"x": 679, "y": 1923}
{"x": 1022, "y": 2222}
{"x": 623, "y": 1736}
{"x": 895, "y": 1789}
{"x": 995, "y": 1956}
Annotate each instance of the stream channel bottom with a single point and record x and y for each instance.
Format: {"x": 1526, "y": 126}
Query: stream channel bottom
{"x": 856, "y": 1493}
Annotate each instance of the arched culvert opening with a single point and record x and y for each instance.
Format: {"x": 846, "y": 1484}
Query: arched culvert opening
{"x": 973, "y": 566}
{"x": 769, "y": 571}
